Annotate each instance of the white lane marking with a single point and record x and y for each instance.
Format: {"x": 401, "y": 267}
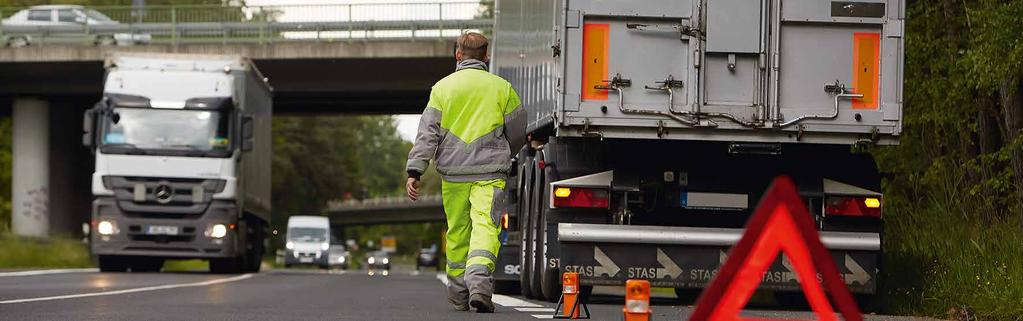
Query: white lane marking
{"x": 44, "y": 272}
{"x": 508, "y": 301}
{"x": 125, "y": 291}
{"x": 535, "y": 310}
{"x": 543, "y": 316}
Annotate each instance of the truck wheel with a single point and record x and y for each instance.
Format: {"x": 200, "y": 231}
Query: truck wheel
{"x": 254, "y": 246}
{"x": 112, "y": 263}
{"x": 536, "y": 243}
{"x": 549, "y": 278}
{"x": 525, "y": 226}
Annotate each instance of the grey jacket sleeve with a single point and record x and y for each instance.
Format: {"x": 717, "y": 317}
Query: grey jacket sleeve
{"x": 425, "y": 146}
{"x": 515, "y": 122}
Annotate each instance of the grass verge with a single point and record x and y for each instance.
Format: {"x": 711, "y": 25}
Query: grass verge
{"x": 55, "y": 252}
{"x": 944, "y": 259}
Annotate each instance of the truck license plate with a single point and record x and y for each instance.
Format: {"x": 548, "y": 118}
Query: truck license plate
{"x": 162, "y": 230}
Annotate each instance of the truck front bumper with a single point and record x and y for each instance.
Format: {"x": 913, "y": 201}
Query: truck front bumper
{"x": 689, "y": 257}
{"x": 134, "y": 236}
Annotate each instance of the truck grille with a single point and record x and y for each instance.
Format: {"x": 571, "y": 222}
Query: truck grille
{"x": 163, "y": 195}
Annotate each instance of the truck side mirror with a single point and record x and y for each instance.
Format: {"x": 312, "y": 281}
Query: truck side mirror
{"x": 247, "y": 132}
{"x": 88, "y": 125}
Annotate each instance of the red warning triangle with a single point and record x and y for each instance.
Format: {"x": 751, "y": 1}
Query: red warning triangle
{"x": 780, "y": 224}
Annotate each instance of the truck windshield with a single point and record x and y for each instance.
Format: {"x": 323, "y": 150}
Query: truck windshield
{"x": 307, "y": 234}
{"x": 177, "y": 132}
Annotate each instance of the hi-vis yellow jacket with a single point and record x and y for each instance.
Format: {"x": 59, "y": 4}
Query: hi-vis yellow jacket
{"x": 472, "y": 125}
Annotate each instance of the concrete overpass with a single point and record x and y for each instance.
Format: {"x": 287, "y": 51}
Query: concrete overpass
{"x": 392, "y": 210}
{"x": 46, "y": 86}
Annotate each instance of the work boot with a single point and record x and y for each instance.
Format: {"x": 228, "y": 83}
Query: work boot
{"x": 481, "y": 303}
{"x": 460, "y": 307}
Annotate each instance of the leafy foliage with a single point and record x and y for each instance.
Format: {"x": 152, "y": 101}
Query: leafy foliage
{"x": 953, "y": 201}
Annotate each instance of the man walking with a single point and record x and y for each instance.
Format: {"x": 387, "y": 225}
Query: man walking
{"x": 472, "y": 125}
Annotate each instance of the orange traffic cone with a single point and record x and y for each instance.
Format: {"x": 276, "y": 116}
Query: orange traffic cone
{"x": 637, "y": 300}
{"x": 570, "y": 301}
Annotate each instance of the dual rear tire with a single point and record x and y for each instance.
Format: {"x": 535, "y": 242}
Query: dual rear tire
{"x": 540, "y": 274}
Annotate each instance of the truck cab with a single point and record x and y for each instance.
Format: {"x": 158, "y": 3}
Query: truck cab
{"x": 182, "y": 162}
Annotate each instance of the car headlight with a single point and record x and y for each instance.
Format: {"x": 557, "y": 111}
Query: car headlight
{"x": 218, "y": 231}
{"x": 371, "y": 260}
{"x": 289, "y": 245}
{"x": 325, "y": 246}
{"x": 105, "y": 228}
{"x": 385, "y": 261}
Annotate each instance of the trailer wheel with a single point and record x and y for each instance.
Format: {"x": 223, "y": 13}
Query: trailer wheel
{"x": 549, "y": 278}
{"x": 112, "y": 263}
{"x": 526, "y": 221}
{"x": 536, "y": 228}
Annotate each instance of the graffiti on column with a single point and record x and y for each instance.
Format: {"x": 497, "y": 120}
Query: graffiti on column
{"x": 37, "y": 206}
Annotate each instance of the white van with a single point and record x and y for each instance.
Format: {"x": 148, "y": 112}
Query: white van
{"x": 308, "y": 241}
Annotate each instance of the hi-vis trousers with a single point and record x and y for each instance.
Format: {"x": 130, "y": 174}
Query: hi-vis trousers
{"x": 473, "y": 212}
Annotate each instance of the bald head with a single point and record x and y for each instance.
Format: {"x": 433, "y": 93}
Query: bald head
{"x": 471, "y": 45}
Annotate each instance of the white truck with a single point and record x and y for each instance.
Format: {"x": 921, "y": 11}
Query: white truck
{"x": 665, "y": 120}
{"x": 182, "y": 145}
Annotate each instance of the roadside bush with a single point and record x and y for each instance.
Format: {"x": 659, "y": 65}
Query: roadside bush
{"x": 55, "y": 252}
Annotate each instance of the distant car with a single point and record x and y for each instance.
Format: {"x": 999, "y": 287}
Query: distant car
{"x": 378, "y": 260}
{"x": 307, "y": 241}
{"x": 66, "y": 15}
{"x": 339, "y": 256}
{"x": 428, "y": 257}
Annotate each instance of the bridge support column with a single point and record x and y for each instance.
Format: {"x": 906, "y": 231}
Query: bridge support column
{"x": 30, "y": 208}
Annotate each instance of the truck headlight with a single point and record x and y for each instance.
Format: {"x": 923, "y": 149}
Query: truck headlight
{"x": 324, "y": 246}
{"x": 341, "y": 259}
{"x": 289, "y": 245}
{"x": 371, "y": 260}
{"x": 385, "y": 261}
{"x": 105, "y": 228}
{"x": 218, "y": 231}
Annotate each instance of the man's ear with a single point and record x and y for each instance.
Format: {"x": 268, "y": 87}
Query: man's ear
{"x": 458, "y": 55}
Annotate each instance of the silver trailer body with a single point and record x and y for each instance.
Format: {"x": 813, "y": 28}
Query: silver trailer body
{"x": 675, "y": 116}
{"x": 182, "y": 146}
{"x": 723, "y": 70}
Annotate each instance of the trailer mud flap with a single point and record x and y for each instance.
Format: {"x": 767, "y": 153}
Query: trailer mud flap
{"x": 508, "y": 267}
{"x": 695, "y": 266}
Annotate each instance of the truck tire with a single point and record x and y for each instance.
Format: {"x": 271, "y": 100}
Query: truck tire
{"x": 526, "y": 249}
{"x": 549, "y": 278}
{"x": 535, "y": 241}
{"x": 112, "y": 263}
{"x": 254, "y": 246}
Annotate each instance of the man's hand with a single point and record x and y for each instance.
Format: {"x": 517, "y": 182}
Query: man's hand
{"x": 412, "y": 188}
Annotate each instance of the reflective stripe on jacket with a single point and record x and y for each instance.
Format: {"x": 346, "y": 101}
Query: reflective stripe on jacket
{"x": 471, "y": 126}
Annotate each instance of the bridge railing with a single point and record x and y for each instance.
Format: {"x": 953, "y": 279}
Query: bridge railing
{"x": 382, "y": 203}
{"x": 176, "y": 24}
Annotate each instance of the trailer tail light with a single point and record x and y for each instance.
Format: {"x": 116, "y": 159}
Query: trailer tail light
{"x": 581, "y": 197}
{"x": 852, "y": 206}
{"x": 504, "y": 221}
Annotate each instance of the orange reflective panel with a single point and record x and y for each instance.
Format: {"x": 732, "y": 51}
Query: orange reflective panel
{"x": 595, "y": 44}
{"x": 866, "y": 68}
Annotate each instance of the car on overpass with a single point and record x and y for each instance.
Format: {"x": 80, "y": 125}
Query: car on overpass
{"x": 65, "y": 23}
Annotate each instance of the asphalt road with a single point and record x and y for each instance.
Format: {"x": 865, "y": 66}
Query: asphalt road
{"x": 279, "y": 295}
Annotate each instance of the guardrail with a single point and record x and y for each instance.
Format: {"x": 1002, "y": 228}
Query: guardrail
{"x": 177, "y": 24}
